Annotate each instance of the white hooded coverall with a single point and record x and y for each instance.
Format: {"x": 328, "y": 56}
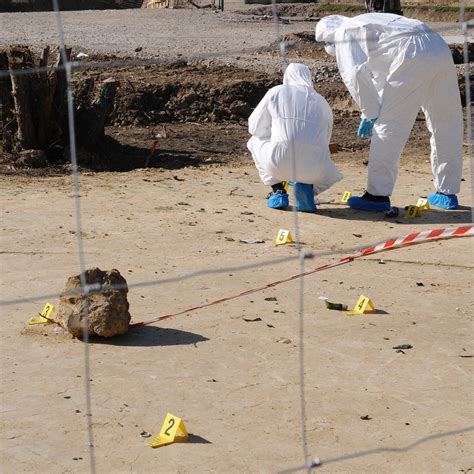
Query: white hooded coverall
{"x": 291, "y": 128}
{"x": 392, "y": 67}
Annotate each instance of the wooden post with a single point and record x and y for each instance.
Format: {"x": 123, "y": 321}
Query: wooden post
{"x": 91, "y": 119}
{"x": 20, "y": 60}
{"x": 59, "y": 107}
{"x": 104, "y": 105}
{"x": 45, "y": 87}
{"x": 7, "y": 106}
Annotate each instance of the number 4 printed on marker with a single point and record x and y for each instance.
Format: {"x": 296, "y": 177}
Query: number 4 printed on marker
{"x": 363, "y": 305}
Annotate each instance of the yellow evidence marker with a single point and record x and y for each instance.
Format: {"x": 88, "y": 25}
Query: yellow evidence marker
{"x": 345, "y": 197}
{"x": 364, "y": 305}
{"x": 44, "y": 316}
{"x": 423, "y": 204}
{"x": 172, "y": 431}
{"x": 412, "y": 211}
{"x": 284, "y": 237}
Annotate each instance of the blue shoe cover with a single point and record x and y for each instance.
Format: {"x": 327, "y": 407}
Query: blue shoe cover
{"x": 304, "y": 196}
{"x": 365, "y": 205}
{"x": 444, "y": 201}
{"x": 278, "y": 201}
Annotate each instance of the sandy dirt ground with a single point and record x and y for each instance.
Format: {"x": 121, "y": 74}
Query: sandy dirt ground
{"x": 230, "y": 370}
{"x": 233, "y": 380}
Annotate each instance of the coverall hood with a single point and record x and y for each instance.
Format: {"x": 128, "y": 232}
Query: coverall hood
{"x": 297, "y": 75}
{"x": 327, "y": 27}
{"x": 330, "y": 49}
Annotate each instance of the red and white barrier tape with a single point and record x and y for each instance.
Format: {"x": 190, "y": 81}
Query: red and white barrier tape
{"x": 411, "y": 239}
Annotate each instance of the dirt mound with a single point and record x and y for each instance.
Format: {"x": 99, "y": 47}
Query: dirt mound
{"x": 197, "y": 113}
{"x": 182, "y": 92}
{"x": 302, "y": 45}
{"x": 316, "y": 11}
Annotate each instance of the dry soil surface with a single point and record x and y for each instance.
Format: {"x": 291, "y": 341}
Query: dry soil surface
{"x": 230, "y": 370}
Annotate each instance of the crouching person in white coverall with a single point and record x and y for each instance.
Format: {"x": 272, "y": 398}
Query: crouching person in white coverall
{"x": 291, "y": 128}
{"x": 393, "y": 66}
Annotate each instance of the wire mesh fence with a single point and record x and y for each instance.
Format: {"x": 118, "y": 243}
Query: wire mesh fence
{"x": 69, "y": 67}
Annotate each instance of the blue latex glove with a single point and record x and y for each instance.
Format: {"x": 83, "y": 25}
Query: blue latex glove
{"x": 365, "y": 128}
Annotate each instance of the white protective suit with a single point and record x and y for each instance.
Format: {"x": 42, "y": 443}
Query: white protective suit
{"x": 393, "y": 66}
{"x": 292, "y": 125}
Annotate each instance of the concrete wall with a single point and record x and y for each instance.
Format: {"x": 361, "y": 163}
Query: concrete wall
{"x": 46, "y": 5}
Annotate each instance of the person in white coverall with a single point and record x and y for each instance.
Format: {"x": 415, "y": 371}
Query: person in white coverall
{"x": 291, "y": 128}
{"x": 392, "y": 67}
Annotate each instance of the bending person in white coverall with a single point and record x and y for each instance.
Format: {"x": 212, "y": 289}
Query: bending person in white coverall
{"x": 393, "y": 66}
{"x": 291, "y": 128}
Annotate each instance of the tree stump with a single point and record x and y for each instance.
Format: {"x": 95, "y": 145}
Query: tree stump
{"x": 34, "y": 107}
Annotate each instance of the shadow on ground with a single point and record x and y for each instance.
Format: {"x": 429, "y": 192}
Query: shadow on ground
{"x": 196, "y": 439}
{"x": 462, "y": 215}
{"x": 147, "y": 336}
{"x": 115, "y": 156}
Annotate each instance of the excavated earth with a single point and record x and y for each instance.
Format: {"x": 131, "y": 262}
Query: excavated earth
{"x": 196, "y": 112}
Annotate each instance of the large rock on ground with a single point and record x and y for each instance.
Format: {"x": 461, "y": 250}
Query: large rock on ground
{"x": 108, "y": 310}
